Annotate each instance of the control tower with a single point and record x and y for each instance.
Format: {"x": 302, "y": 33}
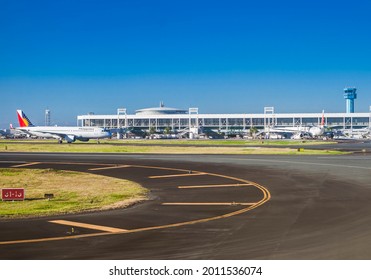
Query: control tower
{"x": 350, "y": 94}
{"x": 47, "y": 117}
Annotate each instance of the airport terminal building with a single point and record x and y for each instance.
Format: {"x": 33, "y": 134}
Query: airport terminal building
{"x": 179, "y": 120}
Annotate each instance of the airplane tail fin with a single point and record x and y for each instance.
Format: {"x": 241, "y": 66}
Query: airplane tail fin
{"x": 23, "y": 120}
{"x": 323, "y": 118}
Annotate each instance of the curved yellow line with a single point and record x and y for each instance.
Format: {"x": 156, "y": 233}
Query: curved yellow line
{"x": 266, "y": 194}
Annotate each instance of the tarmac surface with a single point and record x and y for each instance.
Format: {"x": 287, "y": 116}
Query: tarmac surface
{"x": 349, "y": 145}
{"x": 207, "y": 207}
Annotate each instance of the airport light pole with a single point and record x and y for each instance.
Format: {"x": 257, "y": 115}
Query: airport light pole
{"x": 120, "y": 111}
{"x": 268, "y": 118}
{"x": 192, "y": 111}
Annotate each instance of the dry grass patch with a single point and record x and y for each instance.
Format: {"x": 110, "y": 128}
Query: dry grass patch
{"x": 73, "y": 192}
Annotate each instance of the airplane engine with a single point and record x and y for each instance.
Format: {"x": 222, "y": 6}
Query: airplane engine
{"x": 70, "y": 138}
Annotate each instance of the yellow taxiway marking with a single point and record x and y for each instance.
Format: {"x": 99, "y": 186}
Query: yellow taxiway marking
{"x": 265, "y": 199}
{"x": 208, "y": 203}
{"x": 214, "y": 186}
{"x": 160, "y": 168}
{"x": 89, "y": 226}
{"x": 26, "y": 164}
{"x": 109, "y": 167}
{"x": 177, "y": 175}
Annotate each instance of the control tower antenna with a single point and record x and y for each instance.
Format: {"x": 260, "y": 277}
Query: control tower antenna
{"x": 349, "y": 95}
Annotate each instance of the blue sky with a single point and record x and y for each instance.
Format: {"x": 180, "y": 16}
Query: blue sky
{"x": 77, "y": 56}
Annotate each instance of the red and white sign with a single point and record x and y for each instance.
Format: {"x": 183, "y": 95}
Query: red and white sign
{"x": 12, "y": 194}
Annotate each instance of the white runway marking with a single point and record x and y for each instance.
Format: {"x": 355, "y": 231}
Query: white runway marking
{"x": 303, "y": 163}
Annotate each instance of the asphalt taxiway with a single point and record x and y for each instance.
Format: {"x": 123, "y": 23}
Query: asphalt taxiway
{"x": 207, "y": 207}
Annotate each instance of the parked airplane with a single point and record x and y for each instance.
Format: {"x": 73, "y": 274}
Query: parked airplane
{"x": 4, "y": 132}
{"x": 11, "y": 133}
{"x": 357, "y": 133}
{"x": 68, "y": 133}
{"x": 312, "y": 131}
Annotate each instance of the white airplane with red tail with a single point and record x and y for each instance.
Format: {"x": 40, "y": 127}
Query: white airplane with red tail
{"x": 67, "y": 133}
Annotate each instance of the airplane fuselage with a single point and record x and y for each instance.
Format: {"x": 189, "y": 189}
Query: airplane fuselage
{"x": 69, "y": 133}
{"x": 313, "y": 131}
